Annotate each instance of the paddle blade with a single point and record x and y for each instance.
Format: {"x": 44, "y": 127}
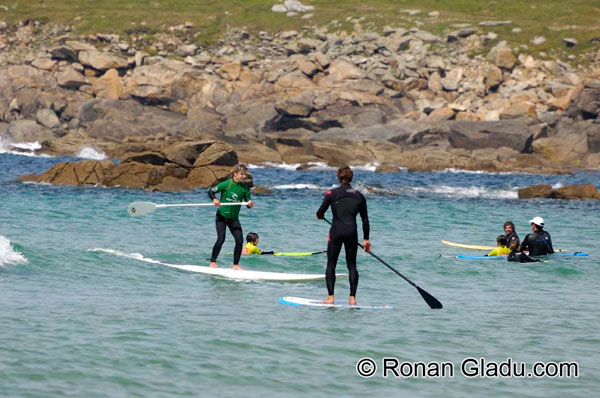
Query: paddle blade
{"x": 140, "y": 208}
{"x": 431, "y": 301}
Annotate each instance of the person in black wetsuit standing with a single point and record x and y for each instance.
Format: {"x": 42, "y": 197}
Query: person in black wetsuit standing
{"x": 346, "y": 202}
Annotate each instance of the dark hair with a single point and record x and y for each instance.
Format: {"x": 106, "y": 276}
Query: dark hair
{"x": 251, "y": 237}
{"x": 509, "y": 223}
{"x": 515, "y": 244}
{"x": 501, "y": 239}
{"x": 345, "y": 175}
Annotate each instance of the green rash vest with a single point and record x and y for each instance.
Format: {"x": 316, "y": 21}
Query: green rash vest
{"x": 231, "y": 191}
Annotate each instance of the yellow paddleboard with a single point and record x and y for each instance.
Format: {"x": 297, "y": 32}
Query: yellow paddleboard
{"x": 481, "y": 247}
{"x": 465, "y": 246}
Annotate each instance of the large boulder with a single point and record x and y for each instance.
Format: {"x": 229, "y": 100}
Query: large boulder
{"x": 535, "y": 191}
{"x": 473, "y": 135}
{"x": 164, "y": 82}
{"x": 177, "y": 167}
{"x": 112, "y": 119}
{"x": 568, "y": 145}
{"x": 584, "y": 191}
{"x": 216, "y": 153}
{"x": 109, "y": 85}
{"x": 27, "y": 131}
{"x": 580, "y": 192}
{"x": 134, "y": 175}
{"x": 588, "y": 101}
{"x": 87, "y": 172}
{"x": 503, "y": 57}
{"x": 102, "y": 61}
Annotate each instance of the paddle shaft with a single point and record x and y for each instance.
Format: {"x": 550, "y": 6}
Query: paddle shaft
{"x": 201, "y": 204}
{"x": 429, "y": 299}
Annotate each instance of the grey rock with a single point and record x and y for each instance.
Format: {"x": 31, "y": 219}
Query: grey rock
{"x": 513, "y": 134}
{"x": 494, "y": 23}
{"x": 47, "y": 118}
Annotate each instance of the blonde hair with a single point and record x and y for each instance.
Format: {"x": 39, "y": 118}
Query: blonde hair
{"x": 239, "y": 167}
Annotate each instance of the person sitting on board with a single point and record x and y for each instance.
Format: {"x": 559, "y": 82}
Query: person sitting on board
{"x": 509, "y": 230}
{"x": 517, "y": 255}
{"x": 251, "y": 247}
{"x": 539, "y": 242}
{"x": 501, "y": 250}
{"x": 232, "y": 190}
{"x": 346, "y": 203}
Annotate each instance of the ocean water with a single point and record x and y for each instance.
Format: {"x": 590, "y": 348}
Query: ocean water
{"x": 82, "y": 316}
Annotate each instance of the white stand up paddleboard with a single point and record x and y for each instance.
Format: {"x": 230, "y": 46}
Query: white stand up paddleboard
{"x": 299, "y": 301}
{"x": 228, "y": 272}
{"x": 247, "y": 275}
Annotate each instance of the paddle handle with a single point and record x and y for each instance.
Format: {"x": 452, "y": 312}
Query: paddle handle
{"x": 201, "y": 204}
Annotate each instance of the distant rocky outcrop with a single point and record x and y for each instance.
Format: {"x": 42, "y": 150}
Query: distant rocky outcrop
{"x": 400, "y": 98}
{"x": 585, "y": 191}
{"x": 179, "y": 167}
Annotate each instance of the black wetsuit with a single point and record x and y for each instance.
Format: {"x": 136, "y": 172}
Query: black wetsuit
{"x": 520, "y": 257}
{"x": 346, "y": 202}
{"x": 538, "y": 243}
{"x": 510, "y": 237}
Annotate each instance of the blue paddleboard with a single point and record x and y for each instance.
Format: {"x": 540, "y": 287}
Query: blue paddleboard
{"x": 299, "y": 301}
{"x": 465, "y": 257}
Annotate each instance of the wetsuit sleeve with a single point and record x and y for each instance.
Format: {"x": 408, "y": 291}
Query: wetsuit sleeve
{"x": 212, "y": 192}
{"x": 525, "y": 243}
{"x": 549, "y": 242}
{"x": 364, "y": 215}
{"x": 247, "y": 195}
{"x": 324, "y": 205}
{"x": 524, "y": 258}
{"x": 271, "y": 252}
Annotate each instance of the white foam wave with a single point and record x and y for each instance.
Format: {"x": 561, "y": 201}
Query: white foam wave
{"x": 27, "y": 146}
{"x": 299, "y": 186}
{"x": 372, "y": 166}
{"x": 91, "y": 153}
{"x": 20, "y": 148}
{"x": 8, "y": 255}
{"x": 271, "y": 165}
{"x": 453, "y": 170}
{"x": 368, "y": 189}
{"x": 135, "y": 256}
{"x": 366, "y": 167}
{"x": 467, "y": 192}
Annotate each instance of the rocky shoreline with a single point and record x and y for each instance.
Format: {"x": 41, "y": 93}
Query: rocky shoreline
{"x": 399, "y": 98}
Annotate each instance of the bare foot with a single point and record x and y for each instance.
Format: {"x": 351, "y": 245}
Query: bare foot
{"x": 352, "y": 300}
{"x": 213, "y": 265}
{"x": 237, "y": 267}
{"x": 328, "y": 300}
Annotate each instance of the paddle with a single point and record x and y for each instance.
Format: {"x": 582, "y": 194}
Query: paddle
{"x": 300, "y": 254}
{"x": 140, "y": 208}
{"x": 429, "y": 299}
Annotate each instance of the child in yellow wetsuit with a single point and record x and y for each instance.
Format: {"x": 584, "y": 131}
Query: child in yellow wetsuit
{"x": 251, "y": 246}
{"x": 501, "y": 250}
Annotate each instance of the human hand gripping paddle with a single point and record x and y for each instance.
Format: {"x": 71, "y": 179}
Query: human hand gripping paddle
{"x": 141, "y": 208}
{"x": 429, "y": 299}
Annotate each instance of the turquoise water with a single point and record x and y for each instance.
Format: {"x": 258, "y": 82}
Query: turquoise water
{"x": 80, "y": 318}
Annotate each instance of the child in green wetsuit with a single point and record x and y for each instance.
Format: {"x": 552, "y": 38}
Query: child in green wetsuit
{"x": 232, "y": 190}
{"x": 501, "y": 250}
{"x": 251, "y": 247}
